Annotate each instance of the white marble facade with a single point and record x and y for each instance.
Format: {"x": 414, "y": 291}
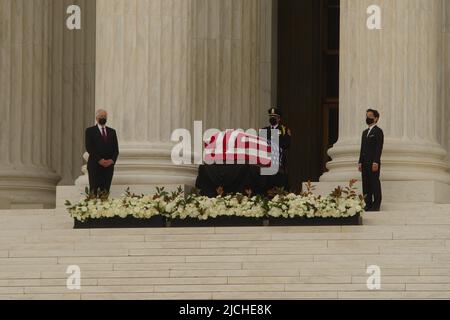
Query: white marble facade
{"x": 400, "y": 70}
{"x": 161, "y": 64}
{"x": 157, "y": 65}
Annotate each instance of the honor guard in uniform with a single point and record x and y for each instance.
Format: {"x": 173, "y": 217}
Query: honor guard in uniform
{"x": 281, "y": 179}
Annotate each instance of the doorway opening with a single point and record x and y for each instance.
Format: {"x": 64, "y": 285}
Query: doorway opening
{"x": 308, "y": 83}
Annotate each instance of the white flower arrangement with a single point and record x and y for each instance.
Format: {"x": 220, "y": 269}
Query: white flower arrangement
{"x": 342, "y": 203}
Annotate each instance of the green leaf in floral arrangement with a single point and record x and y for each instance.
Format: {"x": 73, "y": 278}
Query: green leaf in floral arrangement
{"x": 68, "y": 203}
{"x": 161, "y": 193}
{"x": 160, "y": 190}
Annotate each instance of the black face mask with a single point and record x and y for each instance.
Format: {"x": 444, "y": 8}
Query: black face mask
{"x": 273, "y": 121}
{"x": 370, "y": 121}
{"x": 102, "y": 121}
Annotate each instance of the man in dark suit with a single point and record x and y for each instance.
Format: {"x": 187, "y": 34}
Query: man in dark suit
{"x": 103, "y": 148}
{"x": 370, "y": 161}
{"x": 281, "y": 178}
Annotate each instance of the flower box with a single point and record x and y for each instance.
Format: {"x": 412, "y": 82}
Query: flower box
{"x": 119, "y": 223}
{"x": 303, "y": 221}
{"x": 342, "y": 207}
{"x": 224, "y": 221}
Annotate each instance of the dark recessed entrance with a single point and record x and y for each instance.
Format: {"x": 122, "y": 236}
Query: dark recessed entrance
{"x": 308, "y": 82}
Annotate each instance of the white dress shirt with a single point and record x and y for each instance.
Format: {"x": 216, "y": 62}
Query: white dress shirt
{"x": 370, "y": 129}
{"x": 101, "y": 129}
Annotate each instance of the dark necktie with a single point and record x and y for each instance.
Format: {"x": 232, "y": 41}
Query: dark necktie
{"x": 104, "y": 136}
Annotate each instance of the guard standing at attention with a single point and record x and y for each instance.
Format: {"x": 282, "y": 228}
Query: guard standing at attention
{"x": 280, "y": 180}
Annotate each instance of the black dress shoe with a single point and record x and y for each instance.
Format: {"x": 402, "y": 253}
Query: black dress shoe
{"x": 367, "y": 209}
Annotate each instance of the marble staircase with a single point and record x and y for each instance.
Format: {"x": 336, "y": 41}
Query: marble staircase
{"x": 411, "y": 247}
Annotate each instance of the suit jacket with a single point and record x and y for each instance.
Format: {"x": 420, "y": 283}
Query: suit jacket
{"x": 99, "y": 149}
{"x": 371, "y": 146}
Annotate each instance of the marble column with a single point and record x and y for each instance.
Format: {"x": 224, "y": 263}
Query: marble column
{"x": 73, "y": 87}
{"x": 445, "y": 115}
{"x": 143, "y": 79}
{"x": 397, "y": 70}
{"x": 232, "y": 56}
{"x": 161, "y": 64}
{"x": 26, "y": 177}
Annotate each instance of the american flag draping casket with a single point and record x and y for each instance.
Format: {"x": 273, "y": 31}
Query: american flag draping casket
{"x": 239, "y": 147}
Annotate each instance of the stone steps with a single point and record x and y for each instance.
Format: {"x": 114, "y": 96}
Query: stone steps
{"x": 412, "y": 248}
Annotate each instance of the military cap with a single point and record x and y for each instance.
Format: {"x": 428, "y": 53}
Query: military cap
{"x": 274, "y": 112}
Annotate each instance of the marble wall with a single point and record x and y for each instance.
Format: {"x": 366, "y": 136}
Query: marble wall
{"x": 397, "y": 70}
{"x": 157, "y": 65}
{"x": 47, "y": 90}
{"x": 444, "y": 123}
{"x": 232, "y": 62}
{"x": 207, "y": 60}
{"x": 26, "y": 175}
{"x": 73, "y": 87}
{"x": 162, "y": 64}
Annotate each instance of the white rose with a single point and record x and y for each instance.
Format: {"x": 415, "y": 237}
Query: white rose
{"x": 123, "y": 214}
{"x": 170, "y": 206}
{"x": 352, "y": 211}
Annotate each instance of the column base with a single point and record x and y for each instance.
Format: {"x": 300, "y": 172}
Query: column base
{"x": 407, "y": 192}
{"x": 147, "y": 164}
{"x": 27, "y": 188}
{"x": 402, "y": 160}
{"x": 5, "y": 203}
